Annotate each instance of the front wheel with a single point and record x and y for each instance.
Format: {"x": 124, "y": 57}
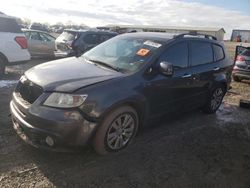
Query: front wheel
{"x": 214, "y": 100}
{"x": 117, "y": 130}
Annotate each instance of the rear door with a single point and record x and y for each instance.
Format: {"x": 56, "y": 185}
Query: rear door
{"x": 204, "y": 69}
{"x": 48, "y": 43}
{"x": 35, "y": 45}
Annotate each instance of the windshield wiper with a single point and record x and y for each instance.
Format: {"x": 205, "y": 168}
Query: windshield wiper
{"x": 105, "y": 64}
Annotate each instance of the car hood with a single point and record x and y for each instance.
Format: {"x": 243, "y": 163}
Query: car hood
{"x": 68, "y": 74}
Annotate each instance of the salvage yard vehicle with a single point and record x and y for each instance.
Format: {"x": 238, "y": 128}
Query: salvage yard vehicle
{"x": 241, "y": 69}
{"x": 76, "y": 42}
{"x": 104, "y": 96}
{"x": 13, "y": 45}
{"x": 40, "y": 44}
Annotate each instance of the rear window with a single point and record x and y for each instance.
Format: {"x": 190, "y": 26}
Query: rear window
{"x": 201, "y": 53}
{"x": 68, "y": 36}
{"x": 9, "y": 25}
{"x": 246, "y": 52}
{"x": 218, "y": 52}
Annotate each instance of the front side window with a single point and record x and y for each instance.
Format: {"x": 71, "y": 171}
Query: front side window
{"x": 35, "y": 36}
{"x": 128, "y": 54}
{"x": 176, "y": 55}
{"x": 46, "y": 38}
{"x": 201, "y": 53}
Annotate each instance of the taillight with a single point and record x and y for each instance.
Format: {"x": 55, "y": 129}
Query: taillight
{"x": 240, "y": 58}
{"x": 22, "y": 41}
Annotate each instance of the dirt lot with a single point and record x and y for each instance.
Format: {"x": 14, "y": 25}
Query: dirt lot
{"x": 194, "y": 150}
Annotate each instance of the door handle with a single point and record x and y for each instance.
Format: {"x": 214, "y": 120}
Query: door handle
{"x": 186, "y": 76}
{"x": 216, "y": 68}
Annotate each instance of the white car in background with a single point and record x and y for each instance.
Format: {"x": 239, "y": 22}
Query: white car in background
{"x": 13, "y": 45}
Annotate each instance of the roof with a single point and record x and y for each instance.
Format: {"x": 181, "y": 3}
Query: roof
{"x": 90, "y": 31}
{"x": 244, "y": 30}
{"x": 169, "y": 27}
{"x": 156, "y": 36}
{"x": 35, "y": 30}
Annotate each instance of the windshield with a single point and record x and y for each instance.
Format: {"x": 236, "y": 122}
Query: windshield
{"x": 123, "y": 53}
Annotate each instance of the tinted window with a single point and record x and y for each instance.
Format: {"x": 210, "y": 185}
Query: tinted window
{"x": 177, "y": 55}
{"x": 201, "y": 53}
{"x": 218, "y": 52}
{"x": 9, "y": 25}
{"x": 104, "y": 38}
{"x": 246, "y": 52}
{"x": 91, "y": 39}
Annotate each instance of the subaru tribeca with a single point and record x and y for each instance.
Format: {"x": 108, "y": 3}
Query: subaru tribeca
{"x": 104, "y": 96}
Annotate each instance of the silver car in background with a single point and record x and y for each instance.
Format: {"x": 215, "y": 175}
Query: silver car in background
{"x": 40, "y": 44}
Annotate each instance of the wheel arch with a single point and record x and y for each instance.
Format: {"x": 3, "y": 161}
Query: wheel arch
{"x": 138, "y": 106}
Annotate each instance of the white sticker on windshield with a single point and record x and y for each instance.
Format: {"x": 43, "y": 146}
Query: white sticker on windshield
{"x": 153, "y": 44}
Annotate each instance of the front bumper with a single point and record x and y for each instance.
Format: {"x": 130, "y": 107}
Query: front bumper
{"x": 67, "y": 128}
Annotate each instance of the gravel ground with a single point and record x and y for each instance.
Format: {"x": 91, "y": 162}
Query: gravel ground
{"x": 194, "y": 150}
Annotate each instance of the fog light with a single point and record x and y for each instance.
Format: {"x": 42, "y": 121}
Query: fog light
{"x": 49, "y": 141}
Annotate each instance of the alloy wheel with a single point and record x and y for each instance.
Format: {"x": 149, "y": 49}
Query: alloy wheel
{"x": 120, "y": 131}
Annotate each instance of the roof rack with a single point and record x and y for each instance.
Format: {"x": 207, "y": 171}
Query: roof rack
{"x": 195, "y": 33}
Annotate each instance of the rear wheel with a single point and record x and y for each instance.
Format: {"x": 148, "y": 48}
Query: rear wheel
{"x": 236, "y": 78}
{"x": 116, "y": 131}
{"x": 2, "y": 66}
{"x": 215, "y": 99}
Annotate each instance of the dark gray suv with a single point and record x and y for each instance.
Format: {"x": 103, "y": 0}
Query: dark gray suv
{"x": 104, "y": 96}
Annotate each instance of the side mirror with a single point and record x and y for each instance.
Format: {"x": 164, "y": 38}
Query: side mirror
{"x": 166, "y": 68}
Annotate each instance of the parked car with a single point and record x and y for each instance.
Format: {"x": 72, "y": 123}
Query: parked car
{"x": 76, "y": 42}
{"x": 241, "y": 69}
{"x": 104, "y": 96}
{"x": 13, "y": 45}
{"x": 39, "y": 27}
{"x": 40, "y": 44}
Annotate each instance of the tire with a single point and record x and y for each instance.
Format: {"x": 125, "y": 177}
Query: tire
{"x": 2, "y": 67}
{"x": 215, "y": 99}
{"x": 110, "y": 136}
{"x": 236, "y": 79}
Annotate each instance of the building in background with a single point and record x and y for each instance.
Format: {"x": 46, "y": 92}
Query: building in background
{"x": 240, "y": 35}
{"x": 217, "y": 32}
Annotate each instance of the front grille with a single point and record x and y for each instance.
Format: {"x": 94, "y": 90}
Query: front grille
{"x": 28, "y": 91}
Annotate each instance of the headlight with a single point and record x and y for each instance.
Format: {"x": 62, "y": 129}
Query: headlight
{"x": 63, "y": 100}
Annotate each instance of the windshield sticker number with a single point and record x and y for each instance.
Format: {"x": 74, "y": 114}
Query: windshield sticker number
{"x": 142, "y": 52}
{"x": 151, "y": 43}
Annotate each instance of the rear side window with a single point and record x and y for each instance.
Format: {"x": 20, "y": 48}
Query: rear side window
{"x": 91, "y": 39}
{"x": 218, "y": 53}
{"x": 201, "y": 53}
{"x": 177, "y": 55}
{"x": 9, "y": 25}
{"x": 104, "y": 38}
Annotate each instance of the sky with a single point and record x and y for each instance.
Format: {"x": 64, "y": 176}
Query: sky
{"x": 229, "y": 14}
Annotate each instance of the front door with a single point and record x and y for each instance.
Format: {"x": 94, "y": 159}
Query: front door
{"x": 171, "y": 93}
